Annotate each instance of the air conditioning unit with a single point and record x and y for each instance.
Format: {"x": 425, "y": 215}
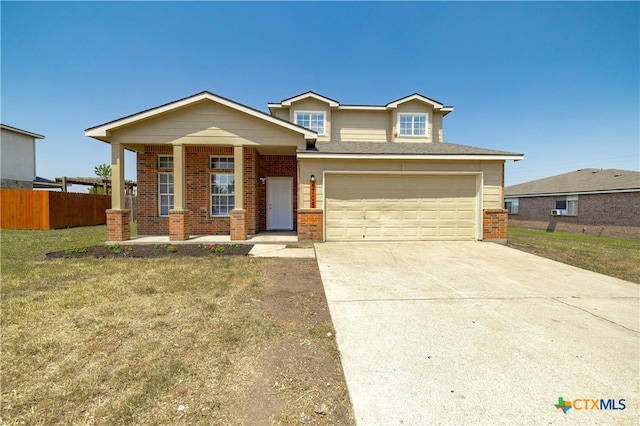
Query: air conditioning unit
{"x": 556, "y": 212}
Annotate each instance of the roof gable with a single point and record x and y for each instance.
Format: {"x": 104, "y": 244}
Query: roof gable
{"x": 287, "y": 102}
{"x": 418, "y": 97}
{"x": 102, "y": 131}
{"x": 579, "y": 181}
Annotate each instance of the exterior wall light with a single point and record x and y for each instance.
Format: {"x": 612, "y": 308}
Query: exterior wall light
{"x": 313, "y": 178}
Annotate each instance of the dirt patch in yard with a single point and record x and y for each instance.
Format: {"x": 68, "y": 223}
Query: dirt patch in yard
{"x": 149, "y": 251}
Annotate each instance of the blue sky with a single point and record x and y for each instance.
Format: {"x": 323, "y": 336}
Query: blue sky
{"x": 558, "y": 82}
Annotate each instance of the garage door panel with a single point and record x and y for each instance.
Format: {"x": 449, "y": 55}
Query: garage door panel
{"x": 400, "y": 207}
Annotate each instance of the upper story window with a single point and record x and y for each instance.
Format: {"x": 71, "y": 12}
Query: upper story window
{"x": 312, "y": 120}
{"x": 165, "y": 162}
{"x": 412, "y": 124}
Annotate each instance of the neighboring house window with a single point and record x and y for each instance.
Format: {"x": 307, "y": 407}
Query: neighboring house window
{"x": 165, "y": 162}
{"x": 165, "y": 193}
{"x": 312, "y": 120}
{"x": 511, "y": 205}
{"x": 566, "y": 205}
{"x": 222, "y": 186}
{"x": 412, "y": 124}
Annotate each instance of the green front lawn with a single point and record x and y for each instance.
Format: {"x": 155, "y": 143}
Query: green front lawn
{"x": 609, "y": 256}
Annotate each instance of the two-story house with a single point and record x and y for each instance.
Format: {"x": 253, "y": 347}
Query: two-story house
{"x": 209, "y": 165}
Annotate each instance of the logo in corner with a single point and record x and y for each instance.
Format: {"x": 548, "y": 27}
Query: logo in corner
{"x": 563, "y": 405}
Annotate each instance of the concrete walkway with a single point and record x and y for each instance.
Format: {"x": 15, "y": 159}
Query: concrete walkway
{"x": 478, "y": 333}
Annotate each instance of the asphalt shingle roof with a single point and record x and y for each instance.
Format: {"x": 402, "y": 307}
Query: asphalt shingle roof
{"x": 391, "y": 148}
{"x": 583, "y": 180}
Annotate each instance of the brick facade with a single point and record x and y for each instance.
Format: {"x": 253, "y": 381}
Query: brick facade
{"x": 238, "y": 225}
{"x": 494, "y": 225}
{"x": 118, "y": 225}
{"x": 198, "y": 189}
{"x": 310, "y": 225}
{"x": 179, "y": 225}
{"x": 614, "y": 215}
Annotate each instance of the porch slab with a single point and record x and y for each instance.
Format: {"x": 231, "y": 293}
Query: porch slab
{"x": 277, "y": 237}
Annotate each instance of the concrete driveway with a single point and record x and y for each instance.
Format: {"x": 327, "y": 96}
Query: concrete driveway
{"x": 478, "y": 333}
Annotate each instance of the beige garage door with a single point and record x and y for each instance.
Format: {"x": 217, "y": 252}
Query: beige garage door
{"x": 400, "y": 207}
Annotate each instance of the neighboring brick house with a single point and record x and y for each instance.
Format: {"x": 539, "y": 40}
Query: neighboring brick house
{"x": 18, "y": 152}
{"x": 209, "y": 165}
{"x": 587, "y": 201}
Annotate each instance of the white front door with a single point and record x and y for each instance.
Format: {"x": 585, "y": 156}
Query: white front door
{"x": 279, "y": 203}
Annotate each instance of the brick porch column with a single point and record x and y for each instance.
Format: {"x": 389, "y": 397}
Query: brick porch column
{"x": 494, "y": 225}
{"x": 118, "y": 225}
{"x": 238, "y": 222}
{"x": 179, "y": 225}
{"x": 310, "y": 225}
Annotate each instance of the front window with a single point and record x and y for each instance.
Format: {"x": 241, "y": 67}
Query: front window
{"x": 222, "y": 194}
{"x": 165, "y": 193}
{"x": 412, "y": 124}
{"x": 222, "y": 186}
{"x": 511, "y": 205}
{"x": 312, "y": 120}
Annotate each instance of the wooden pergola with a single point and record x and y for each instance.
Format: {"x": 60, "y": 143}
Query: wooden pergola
{"x": 96, "y": 182}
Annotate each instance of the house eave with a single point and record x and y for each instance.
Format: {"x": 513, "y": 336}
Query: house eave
{"x": 563, "y": 193}
{"x": 464, "y": 157}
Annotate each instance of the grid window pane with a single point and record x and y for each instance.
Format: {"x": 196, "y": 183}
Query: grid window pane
{"x": 165, "y": 193}
{"x": 165, "y": 162}
{"x": 222, "y": 162}
{"x": 412, "y": 124}
{"x": 311, "y": 120}
{"x": 222, "y": 194}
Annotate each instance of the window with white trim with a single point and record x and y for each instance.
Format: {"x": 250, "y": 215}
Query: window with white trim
{"x": 566, "y": 205}
{"x": 222, "y": 186}
{"x": 312, "y": 120}
{"x": 511, "y": 205}
{"x": 165, "y": 193}
{"x": 412, "y": 124}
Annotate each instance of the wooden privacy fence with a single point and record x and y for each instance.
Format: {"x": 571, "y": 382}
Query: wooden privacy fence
{"x": 26, "y": 209}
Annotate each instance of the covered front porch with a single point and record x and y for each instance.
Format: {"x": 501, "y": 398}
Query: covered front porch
{"x": 205, "y": 166}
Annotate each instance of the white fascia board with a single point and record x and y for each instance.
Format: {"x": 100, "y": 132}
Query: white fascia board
{"x": 561, "y": 194}
{"x": 288, "y": 102}
{"x": 408, "y": 157}
{"x": 395, "y": 104}
{"x": 363, "y": 107}
{"x": 103, "y": 131}
{"x": 22, "y": 132}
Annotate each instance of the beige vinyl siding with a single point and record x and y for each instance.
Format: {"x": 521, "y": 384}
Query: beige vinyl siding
{"x": 282, "y": 114}
{"x": 194, "y": 124}
{"x": 491, "y": 174}
{"x": 361, "y": 126}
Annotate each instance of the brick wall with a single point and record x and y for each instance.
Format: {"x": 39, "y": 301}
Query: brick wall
{"x": 310, "y": 225}
{"x": 198, "y": 188}
{"x": 494, "y": 225}
{"x": 118, "y": 225}
{"x": 614, "y": 215}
